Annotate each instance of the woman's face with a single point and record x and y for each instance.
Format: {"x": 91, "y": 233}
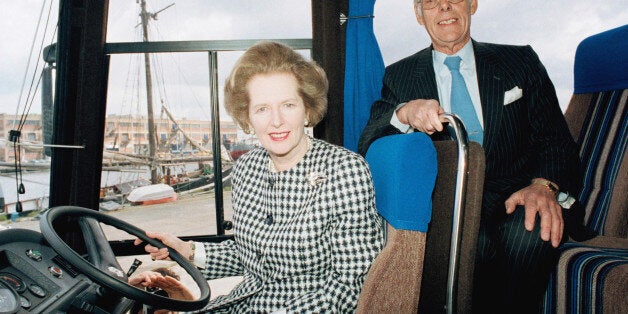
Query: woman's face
{"x": 277, "y": 115}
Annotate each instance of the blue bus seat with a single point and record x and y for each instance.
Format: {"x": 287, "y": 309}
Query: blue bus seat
{"x": 404, "y": 172}
{"x": 404, "y": 169}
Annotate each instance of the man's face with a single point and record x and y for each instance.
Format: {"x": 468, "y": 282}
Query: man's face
{"x": 448, "y": 24}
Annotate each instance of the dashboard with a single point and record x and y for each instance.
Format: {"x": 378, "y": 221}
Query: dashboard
{"x": 35, "y": 279}
{"x": 40, "y": 273}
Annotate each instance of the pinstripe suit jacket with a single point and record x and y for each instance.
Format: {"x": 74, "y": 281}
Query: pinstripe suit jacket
{"x": 525, "y": 139}
{"x": 315, "y": 254}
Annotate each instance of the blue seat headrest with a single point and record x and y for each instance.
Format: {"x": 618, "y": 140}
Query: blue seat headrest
{"x": 601, "y": 62}
{"x": 404, "y": 170}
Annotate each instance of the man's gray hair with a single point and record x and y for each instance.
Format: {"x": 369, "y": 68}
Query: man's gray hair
{"x": 419, "y": 3}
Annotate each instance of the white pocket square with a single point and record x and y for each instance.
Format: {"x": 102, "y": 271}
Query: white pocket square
{"x": 512, "y": 95}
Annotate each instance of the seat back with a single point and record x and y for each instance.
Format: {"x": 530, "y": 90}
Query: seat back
{"x": 437, "y": 254}
{"x": 591, "y": 276}
{"x": 597, "y": 117}
{"x": 404, "y": 171}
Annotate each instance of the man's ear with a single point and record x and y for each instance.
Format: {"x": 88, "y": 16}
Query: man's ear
{"x": 418, "y": 14}
{"x": 474, "y": 6}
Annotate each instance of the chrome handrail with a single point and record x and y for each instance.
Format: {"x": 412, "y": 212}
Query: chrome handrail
{"x": 462, "y": 140}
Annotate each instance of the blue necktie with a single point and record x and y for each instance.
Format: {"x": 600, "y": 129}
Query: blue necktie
{"x": 461, "y": 103}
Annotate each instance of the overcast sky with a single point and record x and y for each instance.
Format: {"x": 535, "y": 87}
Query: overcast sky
{"x": 552, "y": 28}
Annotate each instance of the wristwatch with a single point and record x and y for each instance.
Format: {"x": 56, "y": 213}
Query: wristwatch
{"x": 547, "y": 183}
{"x": 193, "y": 249}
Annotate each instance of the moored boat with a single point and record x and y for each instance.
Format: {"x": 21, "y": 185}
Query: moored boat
{"x": 152, "y": 194}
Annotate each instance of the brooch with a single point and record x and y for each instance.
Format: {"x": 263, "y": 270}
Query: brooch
{"x": 316, "y": 178}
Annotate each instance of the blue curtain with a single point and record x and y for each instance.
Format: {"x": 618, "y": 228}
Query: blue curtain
{"x": 364, "y": 69}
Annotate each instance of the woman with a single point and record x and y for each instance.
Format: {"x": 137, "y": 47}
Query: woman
{"x": 305, "y": 226}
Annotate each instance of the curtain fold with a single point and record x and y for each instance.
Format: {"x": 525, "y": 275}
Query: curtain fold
{"x": 364, "y": 69}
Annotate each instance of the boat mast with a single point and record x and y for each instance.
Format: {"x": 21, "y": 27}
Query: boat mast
{"x": 152, "y": 142}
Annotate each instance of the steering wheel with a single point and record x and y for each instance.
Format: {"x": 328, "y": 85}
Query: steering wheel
{"x": 108, "y": 280}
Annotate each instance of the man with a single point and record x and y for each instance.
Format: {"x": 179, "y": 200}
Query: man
{"x": 514, "y": 114}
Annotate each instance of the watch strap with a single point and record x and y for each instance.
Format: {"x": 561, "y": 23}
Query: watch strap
{"x": 547, "y": 183}
{"x": 193, "y": 250}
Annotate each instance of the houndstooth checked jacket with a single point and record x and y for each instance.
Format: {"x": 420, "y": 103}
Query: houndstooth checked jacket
{"x": 304, "y": 238}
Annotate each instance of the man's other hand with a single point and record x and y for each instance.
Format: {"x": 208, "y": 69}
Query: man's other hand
{"x": 539, "y": 199}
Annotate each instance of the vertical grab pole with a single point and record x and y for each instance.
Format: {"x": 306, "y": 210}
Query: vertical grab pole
{"x": 459, "y": 197}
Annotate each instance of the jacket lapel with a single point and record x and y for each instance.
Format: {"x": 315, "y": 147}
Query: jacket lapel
{"x": 425, "y": 77}
{"x": 490, "y": 83}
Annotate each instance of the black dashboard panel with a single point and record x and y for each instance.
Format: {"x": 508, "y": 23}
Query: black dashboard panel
{"x": 42, "y": 281}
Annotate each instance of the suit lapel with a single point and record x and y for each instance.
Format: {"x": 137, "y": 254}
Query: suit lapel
{"x": 426, "y": 80}
{"x": 490, "y": 83}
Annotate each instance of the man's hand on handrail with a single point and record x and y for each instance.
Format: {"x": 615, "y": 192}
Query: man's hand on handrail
{"x": 422, "y": 115}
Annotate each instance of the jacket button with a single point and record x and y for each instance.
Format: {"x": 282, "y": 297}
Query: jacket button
{"x": 269, "y": 219}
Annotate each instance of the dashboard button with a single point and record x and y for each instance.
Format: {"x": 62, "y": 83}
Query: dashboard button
{"x": 55, "y": 271}
{"x": 25, "y": 303}
{"x": 34, "y": 255}
{"x": 37, "y": 290}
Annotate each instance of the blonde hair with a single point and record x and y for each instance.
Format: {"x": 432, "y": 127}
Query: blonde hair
{"x": 272, "y": 57}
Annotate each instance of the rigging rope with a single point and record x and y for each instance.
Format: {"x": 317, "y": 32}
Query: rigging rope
{"x": 17, "y": 108}
{"x": 15, "y": 133}
{"x": 31, "y": 94}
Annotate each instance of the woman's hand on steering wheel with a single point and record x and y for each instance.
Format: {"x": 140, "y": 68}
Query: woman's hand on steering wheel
{"x": 173, "y": 242}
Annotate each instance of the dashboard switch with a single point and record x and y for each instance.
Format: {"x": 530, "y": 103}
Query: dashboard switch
{"x": 25, "y": 303}
{"x": 37, "y": 290}
{"x": 56, "y": 271}
{"x": 34, "y": 255}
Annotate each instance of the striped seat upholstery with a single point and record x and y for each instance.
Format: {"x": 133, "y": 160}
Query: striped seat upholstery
{"x": 602, "y": 141}
{"x": 592, "y": 276}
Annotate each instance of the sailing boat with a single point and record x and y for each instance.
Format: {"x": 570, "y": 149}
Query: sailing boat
{"x": 160, "y": 155}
